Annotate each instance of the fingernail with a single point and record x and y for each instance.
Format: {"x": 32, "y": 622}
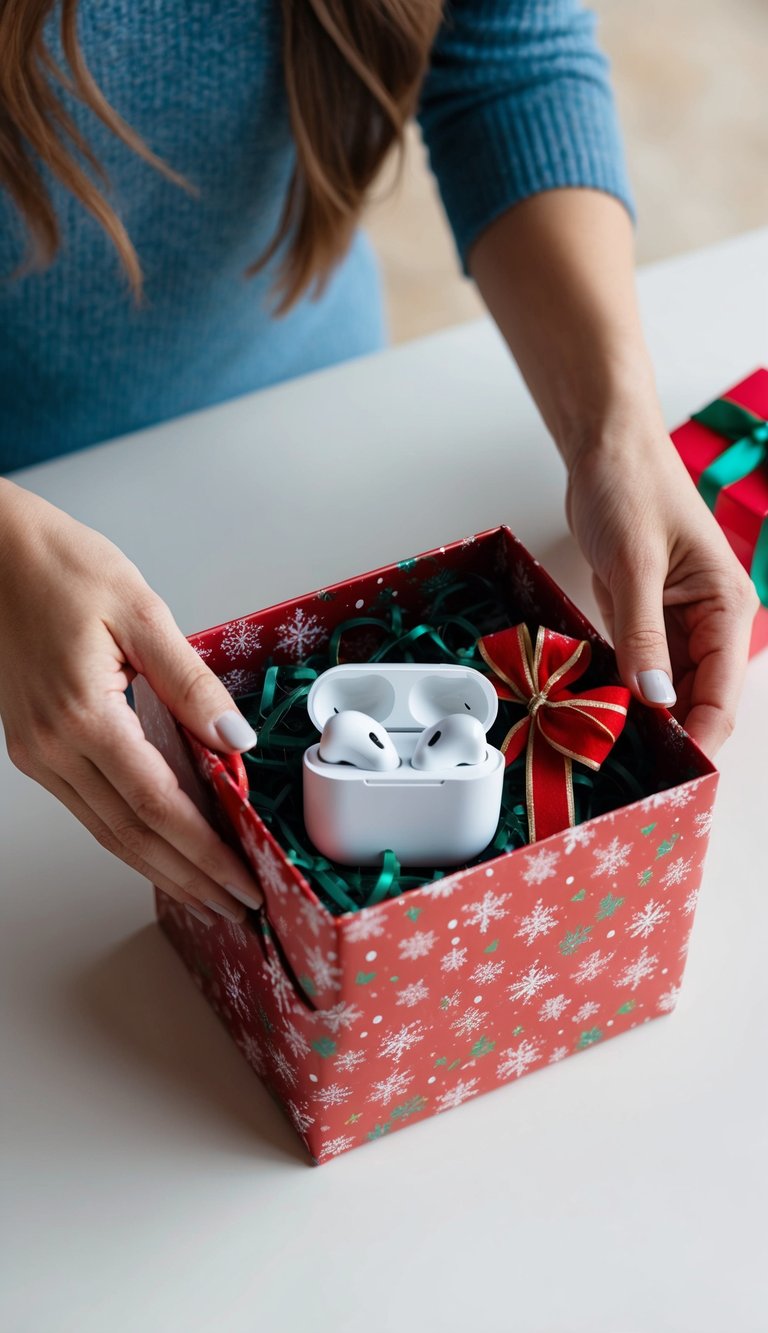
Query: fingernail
{"x": 656, "y": 687}
{"x": 248, "y": 900}
{"x": 235, "y": 731}
{"x": 201, "y": 916}
{"x": 223, "y": 911}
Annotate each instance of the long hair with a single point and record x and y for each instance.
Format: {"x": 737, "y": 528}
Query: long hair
{"x": 352, "y": 68}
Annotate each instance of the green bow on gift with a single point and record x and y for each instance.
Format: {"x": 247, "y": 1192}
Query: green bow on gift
{"x": 748, "y": 451}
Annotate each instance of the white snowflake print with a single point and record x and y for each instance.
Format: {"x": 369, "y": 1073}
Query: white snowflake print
{"x": 689, "y": 906}
{"x": 300, "y": 1116}
{"x": 450, "y": 1001}
{"x": 349, "y": 1060}
{"x": 335, "y": 1094}
{"x": 236, "y": 934}
{"x": 442, "y": 888}
{"x": 335, "y": 1146}
{"x": 538, "y": 922}
{"x": 668, "y": 1000}
{"x": 412, "y": 994}
{"x": 241, "y": 639}
{"x": 395, "y": 1085}
{"x": 680, "y": 797}
{"x": 703, "y": 822}
{"x": 592, "y": 965}
{"x": 645, "y": 921}
{"x": 270, "y": 867}
{"x": 559, "y": 1053}
{"x": 580, "y": 836}
{"x": 468, "y": 541}
{"x": 516, "y": 1059}
{"x": 609, "y": 860}
{"x": 540, "y": 866}
{"x": 236, "y": 987}
{"x": 253, "y": 1052}
{"x": 417, "y": 945}
{"x": 677, "y": 871}
{"x": 486, "y": 973}
{"x": 452, "y": 1097}
{"x": 487, "y": 909}
{"x": 205, "y": 653}
{"x": 523, "y": 582}
{"x": 586, "y": 1011}
{"x": 299, "y": 634}
{"x": 468, "y": 1022}
{"x": 295, "y": 1039}
{"x": 637, "y": 971}
{"x": 529, "y": 983}
{"x": 324, "y": 972}
{"x": 363, "y": 926}
{"x": 452, "y": 961}
{"x": 239, "y": 680}
{"x": 395, "y": 1044}
{"x": 279, "y": 984}
{"x": 553, "y": 1008}
{"x": 341, "y": 1015}
{"x": 675, "y": 736}
{"x": 283, "y": 1066}
{"x": 314, "y": 915}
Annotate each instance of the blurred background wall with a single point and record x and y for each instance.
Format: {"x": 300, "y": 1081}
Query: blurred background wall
{"x": 691, "y": 83}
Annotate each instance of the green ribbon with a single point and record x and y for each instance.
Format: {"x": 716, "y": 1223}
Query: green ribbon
{"x": 748, "y": 451}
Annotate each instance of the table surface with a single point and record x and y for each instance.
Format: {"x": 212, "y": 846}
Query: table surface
{"x": 150, "y": 1182}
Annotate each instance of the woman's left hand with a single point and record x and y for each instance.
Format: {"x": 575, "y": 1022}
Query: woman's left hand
{"x": 675, "y": 599}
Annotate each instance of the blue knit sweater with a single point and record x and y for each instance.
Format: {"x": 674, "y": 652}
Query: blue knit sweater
{"x": 517, "y": 100}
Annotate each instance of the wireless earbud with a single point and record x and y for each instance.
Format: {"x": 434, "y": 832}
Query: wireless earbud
{"x": 350, "y": 737}
{"x": 456, "y": 739}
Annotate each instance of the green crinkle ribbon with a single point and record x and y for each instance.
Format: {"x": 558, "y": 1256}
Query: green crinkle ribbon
{"x": 278, "y": 711}
{"x": 748, "y": 450}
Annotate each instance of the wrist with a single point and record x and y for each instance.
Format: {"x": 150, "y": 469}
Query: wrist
{"x": 609, "y": 418}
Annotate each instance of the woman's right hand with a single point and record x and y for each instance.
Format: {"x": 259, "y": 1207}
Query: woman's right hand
{"x": 77, "y": 623}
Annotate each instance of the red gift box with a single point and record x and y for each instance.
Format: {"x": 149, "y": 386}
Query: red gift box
{"x": 741, "y": 508}
{"x": 363, "y": 1023}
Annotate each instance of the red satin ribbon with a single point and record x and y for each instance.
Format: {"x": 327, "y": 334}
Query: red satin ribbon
{"x": 559, "y": 725}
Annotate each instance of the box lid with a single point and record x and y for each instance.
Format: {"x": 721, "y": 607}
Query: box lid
{"x": 403, "y": 696}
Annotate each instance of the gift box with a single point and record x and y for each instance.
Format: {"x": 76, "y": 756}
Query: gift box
{"x": 725, "y": 449}
{"x": 362, "y": 1022}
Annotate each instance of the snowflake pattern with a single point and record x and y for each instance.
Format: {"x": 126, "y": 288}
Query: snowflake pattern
{"x": 586, "y": 1011}
{"x": 395, "y": 1044}
{"x": 489, "y": 908}
{"x": 341, "y": 1015}
{"x": 637, "y": 971}
{"x": 241, "y": 640}
{"x": 559, "y": 1053}
{"x": 668, "y": 1000}
{"x": 689, "y": 906}
{"x": 468, "y": 1022}
{"x": 394, "y": 1085}
{"x": 703, "y": 822}
{"x": 299, "y": 634}
{"x": 279, "y": 984}
{"x": 314, "y": 914}
{"x": 239, "y": 680}
{"x": 453, "y": 960}
{"x": 417, "y": 945}
{"x": 677, "y": 871}
{"x": 335, "y": 1146}
{"x": 540, "y": 866}
{"x": 579, "y": 836}
{"x": 324, "y": 972}
{"x": 591, "y": 966}
{"x": 282, "y": 1065}
{"x": 349, "y": 1060}
{"x": 333, "y": 1094}
{"x": 611, "y": 859}
{"x": 270, "y": 867}
{"x": 236, "y": 987}
{"x": 517, "y": 1059}
{"x": 529, "y": 983}
{"x": 486, "y": 973}
{"x": 442, "y": 888}
{"x": 300, "y": 1116}
{"x": 538, "y": 922}
{"x": 412, "y": 994}
{"x": 363, "y": 926}
{"x": 454, "y": 1096}
{"x": 253, "y": 1052}
{"x": 644, "y": 922}
{"x": 553, "y": 1008}
{"x": 295, "y": 1039}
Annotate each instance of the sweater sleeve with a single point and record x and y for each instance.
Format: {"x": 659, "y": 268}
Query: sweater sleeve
{"x": 518, "y": 100}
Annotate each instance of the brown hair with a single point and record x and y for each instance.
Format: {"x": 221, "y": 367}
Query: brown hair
{"x": 353, "y": 69}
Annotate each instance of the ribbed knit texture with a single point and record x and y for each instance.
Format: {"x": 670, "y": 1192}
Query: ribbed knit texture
{"x": 517, "y": 100}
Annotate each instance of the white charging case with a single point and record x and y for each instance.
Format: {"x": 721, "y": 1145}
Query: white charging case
{"x": 426, "y": 817}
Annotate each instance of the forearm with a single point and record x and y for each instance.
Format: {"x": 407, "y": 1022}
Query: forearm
{"x": 557, "y": 274}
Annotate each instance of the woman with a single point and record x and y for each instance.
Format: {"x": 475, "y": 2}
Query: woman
{"x": 215, "y": 137}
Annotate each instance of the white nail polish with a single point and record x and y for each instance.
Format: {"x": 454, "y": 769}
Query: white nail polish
{"x": 235, "y": 731}
{"x": 656, "y": 687}
{"x": 222, "y": 911}
{"x": 248, "y": 900}
{"x": 201, "y": 916}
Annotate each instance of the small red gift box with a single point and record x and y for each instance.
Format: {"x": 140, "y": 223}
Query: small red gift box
{"x": 725, "y": 449}
{"x": 363, "y": 1023}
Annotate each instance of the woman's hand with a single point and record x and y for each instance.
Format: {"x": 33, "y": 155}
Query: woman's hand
{"x": 675, "y": 598}
{"x": 77, "y": 623}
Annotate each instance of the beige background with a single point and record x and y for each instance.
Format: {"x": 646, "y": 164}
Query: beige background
{"x": 690, "y": 77}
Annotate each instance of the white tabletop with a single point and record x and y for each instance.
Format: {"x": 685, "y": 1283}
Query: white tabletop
{"x": 150, "y": 1182}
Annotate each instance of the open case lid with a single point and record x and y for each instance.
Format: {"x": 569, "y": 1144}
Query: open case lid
{"x": 403, "y": 696}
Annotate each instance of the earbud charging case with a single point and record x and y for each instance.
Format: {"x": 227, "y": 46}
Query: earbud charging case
{"x": 426, "y": 817}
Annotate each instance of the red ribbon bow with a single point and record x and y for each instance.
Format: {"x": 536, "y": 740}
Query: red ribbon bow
{"x": 559, "y": 725}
